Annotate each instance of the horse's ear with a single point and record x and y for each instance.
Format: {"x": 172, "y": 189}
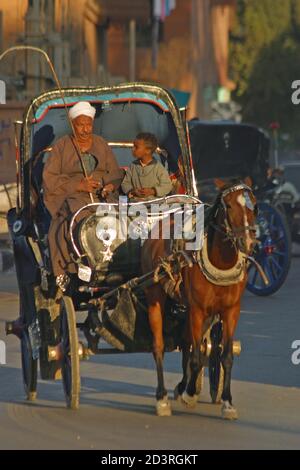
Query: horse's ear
{"x": 219, "y": 183}
{"x": 248, "y": 181}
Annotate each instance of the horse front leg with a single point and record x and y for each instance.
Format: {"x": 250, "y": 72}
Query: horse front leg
{"x": 155, "y": 312}
{"x": 185, "y": 358}
{"x": 189, "y": 396}
{"x": 230, "y": 320}
{"x": 181, "y": 386}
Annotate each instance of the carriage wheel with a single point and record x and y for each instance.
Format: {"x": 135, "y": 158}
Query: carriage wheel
{"x": 216, "y": 381}
{"x": 29, "y": 367}
{"x": 215, "y": 368}
{"x": 70, "y": 356}
{"x": 273, "y": 252}
{"x": 200, "y": 382}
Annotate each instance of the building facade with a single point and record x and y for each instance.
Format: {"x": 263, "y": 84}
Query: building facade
{"x": 87, "y": 40}
{"x": 103, "y": 42}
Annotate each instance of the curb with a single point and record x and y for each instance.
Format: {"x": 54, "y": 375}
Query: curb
{"x": 6, "y": 260}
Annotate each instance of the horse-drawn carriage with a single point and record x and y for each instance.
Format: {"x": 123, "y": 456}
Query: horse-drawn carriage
{"x": 107, "y": 299}
{"x": 108, "y": 262}
{"x": 227, "y": 150}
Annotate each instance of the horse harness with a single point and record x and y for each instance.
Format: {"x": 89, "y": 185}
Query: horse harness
{"x": 180, "y": 258}
{"x": 233, "y": 234}
{"x": 236, "y": 274}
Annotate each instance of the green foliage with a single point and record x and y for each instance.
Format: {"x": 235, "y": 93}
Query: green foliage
{"x": 296, "y": 17}
{"x": 264, "y": 60}
{"x": 268, "y": 95}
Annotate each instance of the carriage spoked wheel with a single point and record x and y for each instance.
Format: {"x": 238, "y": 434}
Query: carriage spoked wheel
{"x": 215, "y": 368}
{"x": 29, "y": 367}
{"x": 200, "y": 382}
{"x": 273, "y": 251}
{"x": 70, "y": 355}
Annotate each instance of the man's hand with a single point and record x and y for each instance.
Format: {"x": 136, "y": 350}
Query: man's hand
{"x": 88, "y": 185}
{"x": 108, "y": 188}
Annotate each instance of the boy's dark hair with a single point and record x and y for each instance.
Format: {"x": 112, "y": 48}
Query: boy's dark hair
{"x": 149, "y": 139}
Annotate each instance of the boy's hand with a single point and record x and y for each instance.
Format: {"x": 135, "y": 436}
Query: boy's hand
{"x": 88, "y": 185}
{"x": 143, "y": 192}
{"x": 135, "y": 193}
{"x": 147, "y": 191}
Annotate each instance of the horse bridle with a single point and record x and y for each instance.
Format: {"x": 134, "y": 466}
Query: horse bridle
{"x": 232, "y": 235}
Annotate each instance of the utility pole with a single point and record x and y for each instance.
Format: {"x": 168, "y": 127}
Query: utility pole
{"x": 34, "y": 33}
{"x": 204, "y": 76}
{"x": 132, "y": 50}
{"x": 1, "y": 31}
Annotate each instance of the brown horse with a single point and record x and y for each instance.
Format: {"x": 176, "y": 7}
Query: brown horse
{"x": 213, "y": 285}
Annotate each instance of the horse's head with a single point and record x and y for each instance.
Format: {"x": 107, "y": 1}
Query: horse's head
{"x": 240, "y": 210}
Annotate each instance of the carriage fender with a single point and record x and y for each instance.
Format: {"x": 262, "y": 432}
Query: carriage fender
{"x": 26, "y": 264}
{"x": 27, "y": 267}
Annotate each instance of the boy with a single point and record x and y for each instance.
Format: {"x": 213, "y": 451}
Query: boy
{"x": 146, "y": 177}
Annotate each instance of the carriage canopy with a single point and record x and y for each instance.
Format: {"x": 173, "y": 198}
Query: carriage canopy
{"x": 121, "y": 113}
{"x": 229, "y": 150}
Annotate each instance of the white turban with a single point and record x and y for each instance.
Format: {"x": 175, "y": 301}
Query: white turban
{"x": 82, "y": 108}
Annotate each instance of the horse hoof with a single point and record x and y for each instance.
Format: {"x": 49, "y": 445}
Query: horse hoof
{"x": 228, "y": 411}
{"x": 163, "y": 407}
{"x": 177, "y": 395}
{"x": 31, "y": 396}
{"x": 188, "y": 401}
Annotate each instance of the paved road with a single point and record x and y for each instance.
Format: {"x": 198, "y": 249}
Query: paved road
{"x": 117, "y": 400}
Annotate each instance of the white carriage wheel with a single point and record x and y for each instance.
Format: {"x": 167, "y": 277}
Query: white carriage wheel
{"x": 200, "y": 382}
{"x": 70, "y": 360}
{"x": 216, "y": 390}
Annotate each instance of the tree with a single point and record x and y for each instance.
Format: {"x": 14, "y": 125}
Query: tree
{"x": 264, "y": 60}
{"x": 258, "y": 23}
{"x": 268, "y": 94}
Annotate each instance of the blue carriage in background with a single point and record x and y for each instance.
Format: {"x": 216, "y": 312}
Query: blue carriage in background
{"x": 230, "y": 150}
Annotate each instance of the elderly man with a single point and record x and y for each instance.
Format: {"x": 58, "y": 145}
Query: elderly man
{"x": 66, "y": 188}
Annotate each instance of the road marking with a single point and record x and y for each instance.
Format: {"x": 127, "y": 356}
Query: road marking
{"x": 2, "y": 353}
